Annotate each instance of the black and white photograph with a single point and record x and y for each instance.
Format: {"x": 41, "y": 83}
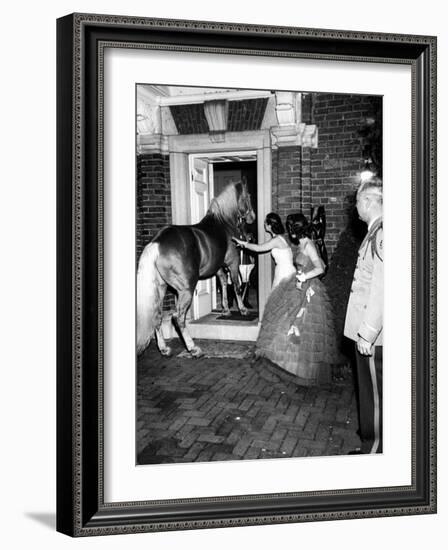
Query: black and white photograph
{"x": 222, "y": 235}
{"x": 259, "y": 274}
{"x": 224, "y": 312}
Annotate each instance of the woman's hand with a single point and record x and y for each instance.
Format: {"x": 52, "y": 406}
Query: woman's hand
{"x": 300, "y": 276}
{"x": 238, "y": 242}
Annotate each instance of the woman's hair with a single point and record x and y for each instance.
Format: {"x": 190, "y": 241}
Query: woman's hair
{"x": 298, "y": 227}
{"x": 275, "y": 222}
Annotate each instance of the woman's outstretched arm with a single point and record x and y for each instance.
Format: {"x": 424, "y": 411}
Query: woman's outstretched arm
{"x": 259, "y": 248}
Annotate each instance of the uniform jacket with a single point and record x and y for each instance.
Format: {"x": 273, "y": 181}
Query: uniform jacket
{"x": 365, "y": 306}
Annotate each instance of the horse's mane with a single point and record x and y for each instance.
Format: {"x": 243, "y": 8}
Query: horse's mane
{"x": 224, "y": 207}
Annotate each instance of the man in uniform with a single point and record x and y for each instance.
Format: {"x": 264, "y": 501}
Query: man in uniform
{"x": 364, "y": 318}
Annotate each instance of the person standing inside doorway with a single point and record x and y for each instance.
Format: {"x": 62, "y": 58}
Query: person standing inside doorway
{"x": 364, "y": 317}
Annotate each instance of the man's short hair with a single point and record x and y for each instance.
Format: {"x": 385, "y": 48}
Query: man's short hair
{"x": 372, "y": 187}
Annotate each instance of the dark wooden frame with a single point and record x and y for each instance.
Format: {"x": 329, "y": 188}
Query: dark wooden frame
{"x": 81, "y": 510}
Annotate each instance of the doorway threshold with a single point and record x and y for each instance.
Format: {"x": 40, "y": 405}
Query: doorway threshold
{"x": 210, "y": 327}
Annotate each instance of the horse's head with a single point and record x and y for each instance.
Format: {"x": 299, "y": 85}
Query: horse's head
{"x": 245, "y": 210}
{"x": 233, "y": 206}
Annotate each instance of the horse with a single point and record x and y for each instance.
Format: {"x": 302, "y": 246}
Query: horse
{"x": 180, "y": 255}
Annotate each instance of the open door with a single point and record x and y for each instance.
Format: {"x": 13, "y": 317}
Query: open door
{"x": 201, "y": 193}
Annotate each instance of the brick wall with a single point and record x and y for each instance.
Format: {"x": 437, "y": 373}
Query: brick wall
{"x": 336, "y": 163}
{"x": 246, "y": 115}
{"x": 189, "y": 119}
{"x": 242, "y": 116}
{"x": 153, "y": 202}
{"x": 153, "y": 196}
{"x": 291, "y": 181}
{"x": 288, "y": 176}
{"x": 329, "y": 174}
{"x": 274, "y": 180}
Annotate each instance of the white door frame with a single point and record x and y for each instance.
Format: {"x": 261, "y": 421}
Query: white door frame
{"x": 205, "y": 289}
{"x": 180, "y": 147}
{"x": 209, "y": 158}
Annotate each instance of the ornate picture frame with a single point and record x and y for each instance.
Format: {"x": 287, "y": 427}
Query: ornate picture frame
{"x": 81, "y": 506}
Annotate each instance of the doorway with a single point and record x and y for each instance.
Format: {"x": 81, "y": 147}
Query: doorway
{"x": 209, "y": 175}
{"x": 199, "y": 168}
{"x": 224, "y": 173}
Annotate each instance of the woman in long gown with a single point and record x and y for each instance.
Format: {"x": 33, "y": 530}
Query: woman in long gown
{"x": 277, "y": 245}
{"x": 297, "y": 330}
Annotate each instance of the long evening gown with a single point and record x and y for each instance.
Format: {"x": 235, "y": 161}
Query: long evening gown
{"x": 297, "y": 330}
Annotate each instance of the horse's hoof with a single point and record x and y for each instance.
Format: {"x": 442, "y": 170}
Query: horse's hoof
{"x": 244, "y": 311}
{"x": 166, "y": 352}
{"x": 196, "y": 351}
{"x": 226, "y": 313}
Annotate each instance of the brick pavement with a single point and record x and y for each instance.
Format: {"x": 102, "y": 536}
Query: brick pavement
{"x": 207, "y": 409}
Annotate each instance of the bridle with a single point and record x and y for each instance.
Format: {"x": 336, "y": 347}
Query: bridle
{"x": 249, "y": 210}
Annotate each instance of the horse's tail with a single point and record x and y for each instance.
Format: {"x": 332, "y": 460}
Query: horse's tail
{"x": 150, "y": 292}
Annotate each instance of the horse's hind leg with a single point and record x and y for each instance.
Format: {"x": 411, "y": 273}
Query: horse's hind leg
{"x": 161, "y": 344}
{"x": 183, "y": 303}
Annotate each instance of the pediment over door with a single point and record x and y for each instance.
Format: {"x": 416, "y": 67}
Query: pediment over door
{"x": 164, "y": 111}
